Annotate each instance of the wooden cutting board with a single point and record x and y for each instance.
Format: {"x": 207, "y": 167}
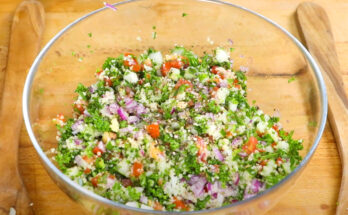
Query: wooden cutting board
{"x": 315, "y": 192}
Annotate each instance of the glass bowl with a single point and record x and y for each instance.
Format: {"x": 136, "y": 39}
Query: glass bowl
{"x": 282, "y": 77}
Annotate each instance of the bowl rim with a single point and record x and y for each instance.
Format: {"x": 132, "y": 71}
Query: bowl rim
{"x": 92, "y": 195}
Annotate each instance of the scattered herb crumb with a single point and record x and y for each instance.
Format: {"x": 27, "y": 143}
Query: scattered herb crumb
{"x": 80, "y": 59}
{"x": 291, "y": 79}
{"x": 154, "y": 27}
{"x": 254, "y": 101}
{"x": 312, "y": 124}
{"x": 90, "y": 34}
{"x": 232, "y": 49}
{"x": 88, "y": 46}
{"x": 184, "y": 14}
{"x": 73, "y": 53}
{"x": 154, "y": 35}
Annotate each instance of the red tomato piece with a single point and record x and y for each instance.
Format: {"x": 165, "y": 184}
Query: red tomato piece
{"x": 250, "y": 146}
{"x": 153, "y": 130}
{"x": 137, "y": 169}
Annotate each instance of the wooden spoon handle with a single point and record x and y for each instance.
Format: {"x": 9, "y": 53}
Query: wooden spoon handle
{"x": 318, "y": 35}
{"x": 26, "y": 31}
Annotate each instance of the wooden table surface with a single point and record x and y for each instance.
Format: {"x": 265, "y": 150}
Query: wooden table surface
{"x": 315, "y": 192}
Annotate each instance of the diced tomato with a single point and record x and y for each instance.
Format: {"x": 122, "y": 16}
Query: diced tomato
{"x": 94, "y": 181}
{"x": 202, "y": 147}
{"x": 250, "y": 146}
{"x": 160, "y": 181}
{"x": 279, "y": 161}
{"x": 136, "y": 68}
{"x": 222, "y": 76}
{"x": 179, "y": 204}
{"x": 165, "y": 68}
{"x": 215, "y": 88}
{"x": 228, "y": 134}
{"x": 214, "y": 69}
{"x": 157, "y": 206}
{"x": 87, "y": 171}
{"x": 274, "y": 144}
{"x": 99, "y": 72}
{"x": 276, "y": 128}
{"x": 153, "y": 130}
{"x": 96, "y": 150}
{"x": 108, "y": 82}
{"x": 141, "y": 81}
{"x": 87, "y": 159}
{"x": 170, "y": 64}
{"x": 80, "y": 108}
{"x": 137, "y": 169}
{"x": 183, "y": 82}
{"x": 260, "y": 134}
{"x": 190, "y": 103}
{"x": 263, "y": 162}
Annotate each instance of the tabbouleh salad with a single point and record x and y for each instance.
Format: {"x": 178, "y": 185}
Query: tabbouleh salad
{"x": 172, "y": 133}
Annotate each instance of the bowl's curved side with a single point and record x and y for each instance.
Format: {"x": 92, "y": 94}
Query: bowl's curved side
{"x": 99, "y": 204}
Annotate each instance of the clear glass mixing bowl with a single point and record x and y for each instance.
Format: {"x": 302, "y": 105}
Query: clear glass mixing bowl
{"x": 272, "y": 55}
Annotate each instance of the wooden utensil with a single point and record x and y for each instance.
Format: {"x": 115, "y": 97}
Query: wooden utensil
{"x": 318, "y": 35}
{"x": 26, "y": 31}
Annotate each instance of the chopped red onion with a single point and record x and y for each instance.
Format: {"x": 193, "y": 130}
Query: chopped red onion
{"x": 208, "y": 186}
{"x": 113, "y": 108}
{"x": 110, "y": 182}
{"x": 198, "y": 105}
{"x": 243, "y": 154}
{"x": 92, "y": 89}
{"x": 110, "y": 6}
{"x": 142, "y": 152}
{"x": 197, "y": 184}
{"x": 256, "y": 185}
{"x": 122, "y": 114}
{"x": 78, "y": 141}
{"x": 173, "y": 110}
{"x": 214, "y": 195}
{"x": 237, "y": 141}
{"x": 138, "y": 134}
{"x": 127, "y": 129}
{"x": 230, "y": 41}
{"x": 143, "y": 199}
{"x": 140, "y": 109}
{"x": 236, "y": 182}
{"x": 77, "y": 126}
{"x": 79, "y": 161}
{"x": 218, "y": 154}
{"x": 223, "y": 83}
{"x": 101, "y": 146}
{"x": 132, "y": 119}
{"x": 86, "y": 113}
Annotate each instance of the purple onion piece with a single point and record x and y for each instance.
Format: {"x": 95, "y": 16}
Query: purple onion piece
{"x": 122, "y": 113}
{"x": 218, "y": 154}
{"x": 110, "y": 182}
{"x": 256, "y": 186}
{"x": 236, "y": 182}
{"x": 113, "y": 108}
{"x": 133, "y": 119}
{"x": 78, "y": 141}
{"x": 173, "y": 110}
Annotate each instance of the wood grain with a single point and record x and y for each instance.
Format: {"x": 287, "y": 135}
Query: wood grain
{"x": 315, "y": 192}
{"x": 318, "y": 35}
{"x": 28, "y": 20}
